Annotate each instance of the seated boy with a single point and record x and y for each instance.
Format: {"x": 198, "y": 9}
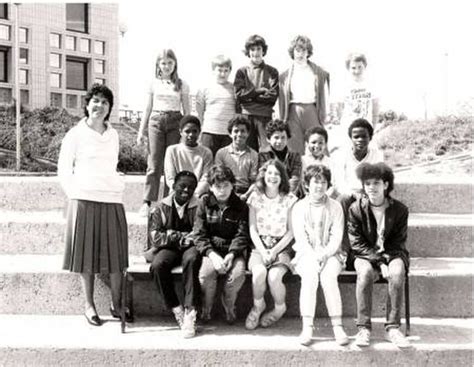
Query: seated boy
{"x": 215, "y": 106}
{"x": 316, "y": 141}
{"x": 170, "y": 245}
{"x": 256, "y": 90}
{"x": 377, "y": 226}
{"x": 221, "y": 233}
{"x": 188, "y": 155}
{"x": 278, "y": 133}
{"x": 239, "y": 157}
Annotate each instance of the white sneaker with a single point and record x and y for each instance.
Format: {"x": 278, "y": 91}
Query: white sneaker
{"x": 340, "y": 335}
{"x": 144, "y": 210}
{"x": 306, "y": 335}
{"x": 362, "y": 338}
{"x": 189, "y": 324}
{"x": 179, "y": 315}
{"x": 395, "y": 336}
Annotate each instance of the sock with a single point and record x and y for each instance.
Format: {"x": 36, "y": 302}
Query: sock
{"x": 307, "y": 321}
{"x": 280, "y": 309}
{"x": 259, "y": 303}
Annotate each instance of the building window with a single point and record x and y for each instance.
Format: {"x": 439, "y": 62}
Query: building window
{"x": 25, "y": 97}
{"x": 55, "y": 40}
{"x": 99, "y": 81}
{"x": 56, "y": 100}
{"x": 23, "y": 56}
{"x": 85, "y": 45}
{"x": 5, "y": 95}
{"x": 99, "y": 47}
{"x": 77, "y": 17}
{"x": 5, "y": 32}
{"x": 3, "y": 64}
{"x": 55, "y": 60}
{"x": 55, "y": 80}
{"x": 23, "y": 33}
{"x": 70, "y": 43}
{"x": 3, "y": 11}
{"x": 71, "y": 101}
{"x": 99, "y": 66}
{"x": 23, "y": 76}
{"x": 76, "y": 73}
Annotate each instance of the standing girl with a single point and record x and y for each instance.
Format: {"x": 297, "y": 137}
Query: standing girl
{"x": 271, "y": 234}
{"x": 96, "y": 229}
{"x": 304, "y": 90}
{"x": 168, "y": 100}
{"x": 318, "y": 225}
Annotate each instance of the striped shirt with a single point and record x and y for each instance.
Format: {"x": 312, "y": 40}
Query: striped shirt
{"x": 165, "y": 98}
{"x": 216, "y": 106}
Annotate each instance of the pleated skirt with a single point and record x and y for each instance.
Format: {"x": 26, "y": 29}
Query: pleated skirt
{"x": 96, "y": 237}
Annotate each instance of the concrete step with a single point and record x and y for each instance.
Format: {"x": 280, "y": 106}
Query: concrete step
{"x": 34, "y": 284}
{"x": 421, "y": 194}
{"x": 69, "y": 340}
{"x": 430, "y": 235}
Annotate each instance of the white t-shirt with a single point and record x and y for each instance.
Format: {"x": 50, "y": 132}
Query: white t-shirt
{"x": 165, "y": 97}
{"x": 357, "y": 98}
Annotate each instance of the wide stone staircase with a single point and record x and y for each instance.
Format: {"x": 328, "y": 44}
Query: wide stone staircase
{"x": 41, "y": 306}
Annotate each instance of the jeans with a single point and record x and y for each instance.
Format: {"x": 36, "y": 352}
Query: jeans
{"x": 165, "y": 260}
{"x": 215, "y": 142}
{"x": 234, "y": 279}
{"x": 366, "y": 276}
{"x": 257, "y": 134}
{"x": 163, "y": 131}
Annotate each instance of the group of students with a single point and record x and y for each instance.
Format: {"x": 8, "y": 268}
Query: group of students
{"x": 263, "y": 212}
{"x": 235, "y": 205}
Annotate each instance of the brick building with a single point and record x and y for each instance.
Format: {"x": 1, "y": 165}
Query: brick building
{"x": 63, "y": 50}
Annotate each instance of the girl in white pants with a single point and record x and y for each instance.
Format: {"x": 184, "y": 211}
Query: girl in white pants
{"x": 318, "y": 225}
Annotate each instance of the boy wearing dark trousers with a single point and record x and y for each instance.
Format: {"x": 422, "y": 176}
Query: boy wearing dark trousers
{"x": 170, "y": 244}
{"x": 377, "y": 228}
{"x": 256, "y": 90}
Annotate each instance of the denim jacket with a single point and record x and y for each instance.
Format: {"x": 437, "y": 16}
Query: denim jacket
{"x": 222, "y": 231}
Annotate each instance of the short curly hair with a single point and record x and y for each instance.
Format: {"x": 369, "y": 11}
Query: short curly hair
{"x": 277, "y": 125}
{"x": 316, "y": 130}
{"x": 379, "y": 171}
{"x": 302, "y": 41}
{"x": 238, "y": 120}
{"x": 285, "y": 181}
{"x": 99, "y": 89}
{"x": 255, "y": 40}
{"x": 361, "y": 123}
{"x": 219, "y": 173}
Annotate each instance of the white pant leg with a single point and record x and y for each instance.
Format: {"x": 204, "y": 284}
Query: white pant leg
{"x": 330, "y": 286}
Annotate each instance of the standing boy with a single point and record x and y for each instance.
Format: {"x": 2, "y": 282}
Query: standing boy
{"x": 278, "y": 133}
{"x": 170, "y": 244}
{"x": 256, "y": 90}
{"x": 377, "y": 226}
{"x": 239, "y": 157}
{"x": 221, "y": 233}
{"x": 188, "y": 155}
{"x": 215, "y": 105}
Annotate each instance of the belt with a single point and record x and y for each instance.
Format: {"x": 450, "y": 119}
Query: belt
{"x": 166, "y": 112}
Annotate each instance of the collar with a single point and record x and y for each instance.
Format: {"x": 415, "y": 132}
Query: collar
{"x": 168, "y": 201}
{"x": 232, "y": 150}
{"x": 233, "y": 200}
{"x": 259, "y": 66}
{"x": 365, "y": 203}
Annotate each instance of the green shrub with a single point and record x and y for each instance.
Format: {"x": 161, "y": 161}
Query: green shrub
{"x": 42, "y": 131}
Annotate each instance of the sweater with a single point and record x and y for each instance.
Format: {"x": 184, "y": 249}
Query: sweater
{"x": 180, "y": 157}
{"x": 87, "y": 164}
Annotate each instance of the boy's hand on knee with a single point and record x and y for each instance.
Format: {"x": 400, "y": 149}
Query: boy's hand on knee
{"x": 228, "y": 260}
{"x": 384, "y": 271}
{"x": 217, "y": 262}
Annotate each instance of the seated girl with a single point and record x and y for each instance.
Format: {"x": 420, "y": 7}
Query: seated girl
{"x": 270, "y": 231}
{"x": 318, "y": 226}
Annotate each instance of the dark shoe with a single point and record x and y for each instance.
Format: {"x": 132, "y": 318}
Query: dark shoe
{"x": 116, "y": 314}
{"x": 94, "y": 320}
